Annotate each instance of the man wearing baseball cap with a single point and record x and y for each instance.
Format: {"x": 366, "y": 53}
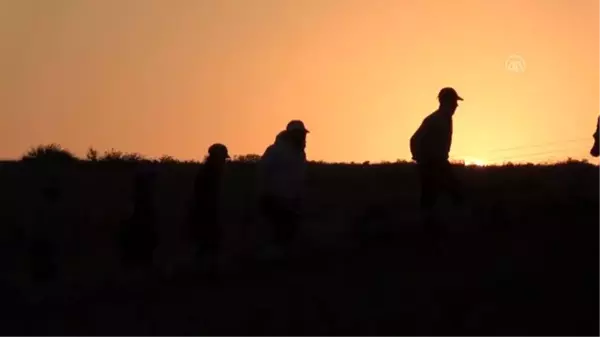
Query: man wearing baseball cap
{"x": 282, "y": 170}
{"x": 430, "y": 147}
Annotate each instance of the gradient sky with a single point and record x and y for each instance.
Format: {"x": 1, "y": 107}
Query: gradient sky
{"x": 173, "y": 76}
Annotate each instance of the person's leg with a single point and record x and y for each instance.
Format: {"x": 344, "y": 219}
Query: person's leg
{"x": 207, "y": 243}
{"x": 451, "y": 184}
{"x": 430, "y": 187}
{"x": 281, "y": 224}
{"x": 274, "y": 216}
{"x": 213, "y": 238}
{"x": 428, "y": 181}
{"x": 268, "y": 212}
{"x": 288, "y": 227}
{"x": 284, "y": 221}
{"x": 208, "y": 234}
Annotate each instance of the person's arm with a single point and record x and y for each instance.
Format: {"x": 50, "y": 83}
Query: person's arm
{"x": 415, "y": 144}
{"x": 265, "y": 168}
{"x": 267, "y": 161}
{"x": 302, "y": 190}
{"x": 418, "y": 140}
{"x": 595, "y": 151}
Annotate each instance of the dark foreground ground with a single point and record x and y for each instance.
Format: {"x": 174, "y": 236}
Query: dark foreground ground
{"x": 522, "y": 261}
{"x": 395, "y": 286}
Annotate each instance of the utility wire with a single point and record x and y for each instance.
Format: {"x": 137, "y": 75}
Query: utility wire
{"x": 530, "y": 155}
{"x": 540, "y": 145}
{"x": 523, "y": 147}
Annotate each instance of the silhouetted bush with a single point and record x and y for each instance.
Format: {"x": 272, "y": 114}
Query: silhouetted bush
{"x": 133, "y": 157}
{"x": 166, "y": 159}
{"x": 53, "y": 153}
{"x": 116, "y": 156}
{"x": 112, "y": 155}
{"x": 92, "y": 154}
{"x": 247, "y": 158}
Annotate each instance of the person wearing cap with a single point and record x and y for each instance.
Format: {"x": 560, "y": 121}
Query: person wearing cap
{"x": 205, "y": 227}
{"x": 430, "y": 147}
{"x": 281, "y": 171}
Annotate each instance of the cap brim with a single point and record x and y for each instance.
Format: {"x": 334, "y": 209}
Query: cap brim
{"x": 298, "y": 129}
{"x": 458, "y": 98}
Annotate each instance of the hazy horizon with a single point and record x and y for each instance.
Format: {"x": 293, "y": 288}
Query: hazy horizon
{"x": 157, "y": 77}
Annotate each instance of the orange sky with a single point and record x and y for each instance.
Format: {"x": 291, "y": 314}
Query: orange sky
{"x": 170, "y": 77}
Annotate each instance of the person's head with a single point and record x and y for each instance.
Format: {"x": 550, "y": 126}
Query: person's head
{"x": 281, "y": 136}
{"x": 217, "y": 154}
{"x": 595, "y": 151}
{"x": 296, "y": 132}
{"x": 448, "y": 98}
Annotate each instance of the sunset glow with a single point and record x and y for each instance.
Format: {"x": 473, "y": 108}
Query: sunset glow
{"x": 475, "y": 162}
{"x": 171, "y": 77}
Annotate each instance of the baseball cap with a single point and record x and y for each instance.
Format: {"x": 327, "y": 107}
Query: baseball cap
{"x": 449, "y": 94}
{"x": 296, "y": 125}
{"x": 218, "y": 149}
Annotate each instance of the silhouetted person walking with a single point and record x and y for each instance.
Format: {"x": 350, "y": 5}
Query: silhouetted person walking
{"x": 595, "y": 151}
{"x": 430, "y": 147}
{"x": 138, "y": 237}
{"x": 282, "y": 170}
{"x": 205, "y": 226}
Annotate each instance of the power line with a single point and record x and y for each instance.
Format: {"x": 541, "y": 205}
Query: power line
{"x": 548, "y": 151}
{"x": 529, "y": 155}
{"x": 523, "y": 147}
{"x": 539, "y": 145}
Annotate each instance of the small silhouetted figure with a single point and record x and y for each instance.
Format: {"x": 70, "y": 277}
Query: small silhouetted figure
{"x": 595, "y": 151}
{"x": 430, "y": 146}
{"x": 138, "y": 238}
{"x": 282, "y": 170}
{"x": 205, "y": 223}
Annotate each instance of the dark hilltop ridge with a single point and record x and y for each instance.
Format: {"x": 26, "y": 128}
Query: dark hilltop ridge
{"x": 521, "y": 258}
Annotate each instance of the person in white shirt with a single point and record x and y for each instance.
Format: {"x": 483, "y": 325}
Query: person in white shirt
{"x": 282, "y": 170}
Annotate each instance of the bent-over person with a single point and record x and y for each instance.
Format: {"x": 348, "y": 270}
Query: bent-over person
{"x": 282, "y": 170}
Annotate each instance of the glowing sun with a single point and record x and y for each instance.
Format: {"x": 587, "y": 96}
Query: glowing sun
{"x": 475, "y": 162}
